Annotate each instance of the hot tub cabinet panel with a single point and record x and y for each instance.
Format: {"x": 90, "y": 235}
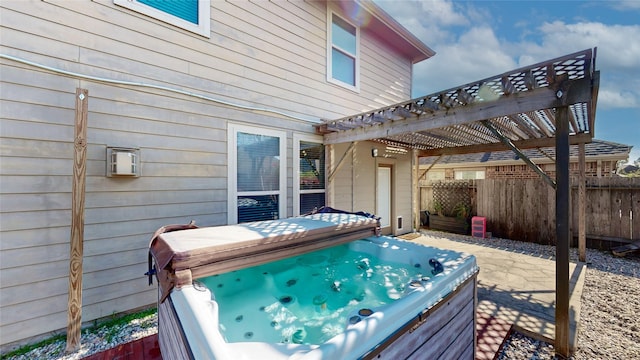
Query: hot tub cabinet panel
{"x": 433, "y": 317}
{"x": 445, "y": 331}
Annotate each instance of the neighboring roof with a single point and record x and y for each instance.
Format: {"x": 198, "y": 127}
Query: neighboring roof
{"x": 597, "y": 148}
{"x": 399, "y": 37}
{"x": 516, "y": 109}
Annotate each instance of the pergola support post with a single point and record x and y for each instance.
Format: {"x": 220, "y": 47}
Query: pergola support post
{"x": 582, "y": 204}
{"x": 562, "y": 231}
{"x": 415, "y": 185}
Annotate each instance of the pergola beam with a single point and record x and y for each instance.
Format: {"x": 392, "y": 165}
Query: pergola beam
{"x": 536, "y": 99}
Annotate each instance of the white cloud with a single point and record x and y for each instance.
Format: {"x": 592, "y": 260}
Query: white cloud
{"x": 618, "y": 56}
{"x": 618, "y": 46}
{"x": 626, "y": 5}
{"x": 442, "y": 12}
{"x": 475, "y": 55}
{"x": 609, "y": 98}
{"x": 468, "y": 49}
{"x": 429, "y": 20}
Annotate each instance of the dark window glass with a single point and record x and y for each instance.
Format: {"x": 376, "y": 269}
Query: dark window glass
{"x": 258, "y": 162}
{"x": 256, "y": 208}
{"x": 309, "y": 202}
{"x": 311, "y": 166}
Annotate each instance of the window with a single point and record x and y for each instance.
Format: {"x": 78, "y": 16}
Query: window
{"x": 469, "y": 174}
{"x": 308, "y": 169}
{"x": 192, "y": 15}
{"x": 257, "y": 174}
{"x": 435, "y": 175}
{"x": 343, "y": 60}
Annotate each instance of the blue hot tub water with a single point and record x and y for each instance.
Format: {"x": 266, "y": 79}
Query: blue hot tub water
{"x": 311, "y": 298}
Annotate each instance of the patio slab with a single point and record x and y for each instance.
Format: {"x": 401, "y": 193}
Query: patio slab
{"x": 515, "y": 287}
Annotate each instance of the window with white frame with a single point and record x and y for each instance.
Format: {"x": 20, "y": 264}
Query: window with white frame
{"x": 192, "y": 15}
{"x": 343, "y": 59}
{"x": 309, "y": 172}
{"x": 469, "y": 174}
{"x": 257, "y": 174}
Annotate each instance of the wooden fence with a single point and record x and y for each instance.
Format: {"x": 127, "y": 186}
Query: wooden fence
{"x": 525, "y": 209}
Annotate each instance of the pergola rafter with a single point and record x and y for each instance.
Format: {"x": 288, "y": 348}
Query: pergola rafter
{"x": 520, "y": 103}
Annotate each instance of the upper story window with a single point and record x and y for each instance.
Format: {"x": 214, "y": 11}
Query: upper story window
{"x": 343, "y": 60}
{"x": 192, "y": 15}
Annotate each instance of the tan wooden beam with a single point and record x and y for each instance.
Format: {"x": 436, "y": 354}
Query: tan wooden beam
{"x": 592, "y": 104}
{"x": 574, "y": 122}
{"x": 526, "y": 128}
{"x": 333, "y": 172}
{"x": 415, "y": 189}
{"x": 430, "y": 166}
{"x": 540, "y": 98}
{"x": 507, "y": 86}
{"x": 535, "y": 118}
{"x": 74, "y": 308}
{"x": 464, "y": 97}
{"x": 506, "y": 124}
{"x": 529, "y": 80}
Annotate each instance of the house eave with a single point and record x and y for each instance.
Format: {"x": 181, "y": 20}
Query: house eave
{"x": 401, "y": 38}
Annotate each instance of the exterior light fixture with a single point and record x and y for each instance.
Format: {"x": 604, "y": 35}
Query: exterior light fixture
{"x": 123, "y": 162}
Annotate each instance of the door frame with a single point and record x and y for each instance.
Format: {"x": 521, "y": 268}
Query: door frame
{"x": 388, "y": 229}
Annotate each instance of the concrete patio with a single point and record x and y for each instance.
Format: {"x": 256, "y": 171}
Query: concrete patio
{"x": 516, "y": 288}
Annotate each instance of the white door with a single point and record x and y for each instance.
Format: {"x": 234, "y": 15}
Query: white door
{"x": 383, "y": 200}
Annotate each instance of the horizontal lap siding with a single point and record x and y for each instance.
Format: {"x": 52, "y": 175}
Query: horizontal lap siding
{"x": 265, "y": 54}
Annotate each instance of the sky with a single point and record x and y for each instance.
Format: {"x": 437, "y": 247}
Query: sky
{"x": 474, "y": 40}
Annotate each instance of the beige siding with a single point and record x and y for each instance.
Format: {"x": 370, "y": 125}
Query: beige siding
{"x": 354, "y": 186}
{"x": 263, "y": 54}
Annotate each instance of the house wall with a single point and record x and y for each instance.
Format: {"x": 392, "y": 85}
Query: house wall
{"x": 354, "y": 185}
{"x": 262, "y": 54}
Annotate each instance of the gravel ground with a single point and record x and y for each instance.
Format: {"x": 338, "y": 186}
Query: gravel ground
{"x": 609, "y": 320}
{"x": 609, "y": 325}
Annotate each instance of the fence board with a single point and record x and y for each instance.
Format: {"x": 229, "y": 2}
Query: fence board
{"x": 525, "y": 209}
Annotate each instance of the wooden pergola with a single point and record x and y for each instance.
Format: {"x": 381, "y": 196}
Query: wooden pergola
{"x": 551, "y": 103}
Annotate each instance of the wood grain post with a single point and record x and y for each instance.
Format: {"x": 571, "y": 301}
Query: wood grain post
{"x": 582, "y": 205}
{"x": 328, "y": 186}
{"x": 562, "y": 231}
{"x": 415, "y": 192}
{"x": 74, "y": 310}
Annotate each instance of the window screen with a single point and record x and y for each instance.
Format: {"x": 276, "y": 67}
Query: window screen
{"x": 258, "y": 176}
{"x": 343, "y": 51}
{"x": 312, "y": 176}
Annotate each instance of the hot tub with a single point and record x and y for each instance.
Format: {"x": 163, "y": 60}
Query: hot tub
{"x": 324, "y": 286}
